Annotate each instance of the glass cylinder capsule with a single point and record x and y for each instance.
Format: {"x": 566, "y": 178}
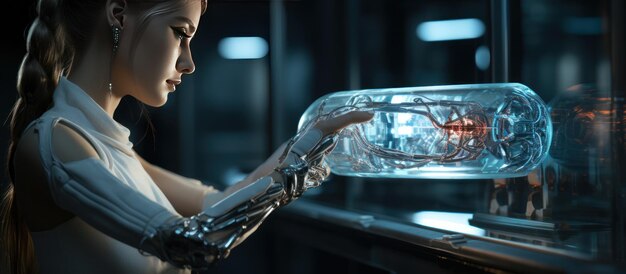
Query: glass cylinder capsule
{"x": 456, "y": 131}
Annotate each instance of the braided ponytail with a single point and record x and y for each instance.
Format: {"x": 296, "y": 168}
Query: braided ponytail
{"x": 41, "y": 68}
{"x": 45, "y": 61}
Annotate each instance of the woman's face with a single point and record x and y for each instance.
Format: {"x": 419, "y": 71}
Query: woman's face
{"x": 160, "y": 57}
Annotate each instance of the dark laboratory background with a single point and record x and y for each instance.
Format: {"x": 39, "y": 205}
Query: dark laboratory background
{"x": 259, "y": 64}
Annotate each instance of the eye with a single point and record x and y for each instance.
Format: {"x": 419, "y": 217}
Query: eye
{"x": 181, "y": 33}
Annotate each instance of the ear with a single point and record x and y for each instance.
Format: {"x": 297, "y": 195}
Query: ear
{"x": 116, "y": 11}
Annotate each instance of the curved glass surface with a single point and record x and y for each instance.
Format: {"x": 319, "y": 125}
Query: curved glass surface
{"x": 455, "y": 131}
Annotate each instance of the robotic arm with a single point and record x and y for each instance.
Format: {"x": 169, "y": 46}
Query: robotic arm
{"x": 89, "y": 190}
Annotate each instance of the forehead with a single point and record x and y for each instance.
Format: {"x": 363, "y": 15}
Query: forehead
{"x": 176, "y": 10}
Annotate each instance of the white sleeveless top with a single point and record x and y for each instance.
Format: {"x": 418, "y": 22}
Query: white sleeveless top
{"x": 75, "y": 246}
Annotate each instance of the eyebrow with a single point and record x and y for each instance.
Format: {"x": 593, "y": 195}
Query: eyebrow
{"x": 192, "y": 27}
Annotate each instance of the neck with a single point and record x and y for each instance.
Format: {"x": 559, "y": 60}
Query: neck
{"x": 93, "y": 77}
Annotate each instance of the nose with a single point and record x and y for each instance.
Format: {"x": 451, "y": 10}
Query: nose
{"x": 185, "y": 62}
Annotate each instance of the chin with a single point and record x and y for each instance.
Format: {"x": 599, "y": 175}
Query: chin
{"x": 161, "y": 103}
{"x": 156, "y": 102}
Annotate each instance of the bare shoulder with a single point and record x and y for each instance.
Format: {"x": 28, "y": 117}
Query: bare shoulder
{"x": 69, "y": 145}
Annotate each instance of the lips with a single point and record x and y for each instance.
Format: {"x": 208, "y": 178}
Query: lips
{"x": 173, "y": 83}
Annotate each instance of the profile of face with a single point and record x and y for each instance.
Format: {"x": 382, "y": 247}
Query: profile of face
{"x": 149, "y": 63}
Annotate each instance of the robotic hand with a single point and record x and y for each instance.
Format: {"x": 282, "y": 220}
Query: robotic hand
{"x": 205, "y": 238}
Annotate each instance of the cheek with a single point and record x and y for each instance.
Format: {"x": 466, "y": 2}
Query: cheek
{"x": 154, "y": 60}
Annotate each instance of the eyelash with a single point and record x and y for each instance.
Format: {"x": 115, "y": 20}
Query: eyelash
{"x": 180, "y": 33}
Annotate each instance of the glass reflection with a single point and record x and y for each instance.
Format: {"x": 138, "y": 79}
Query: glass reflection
{"x": 450, "y": 221}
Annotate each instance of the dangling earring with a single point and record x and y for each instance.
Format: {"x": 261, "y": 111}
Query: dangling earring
{"x": 116, "y": 44}
{"x": 116, "y": 37}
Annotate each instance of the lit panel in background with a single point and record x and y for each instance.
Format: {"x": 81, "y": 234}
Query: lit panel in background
{"x": 243, "y": 47}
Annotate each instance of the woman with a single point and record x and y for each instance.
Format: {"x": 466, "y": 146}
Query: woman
{"x": 81, "y": 200}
